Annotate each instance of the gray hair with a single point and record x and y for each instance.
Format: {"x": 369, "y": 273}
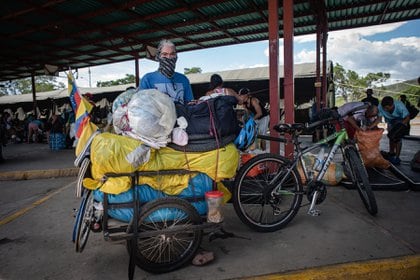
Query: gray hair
{"x": 162, "y": 43}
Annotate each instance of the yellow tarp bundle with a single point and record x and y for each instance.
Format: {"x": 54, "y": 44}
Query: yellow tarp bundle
{"x": 109, "y": 153}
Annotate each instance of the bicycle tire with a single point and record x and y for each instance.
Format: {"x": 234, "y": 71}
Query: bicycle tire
{"x": 361, "y": 180}
{"x": 84, "y": 220}
{"x": 166, "y": 252}
{"x": 252, "y": 198}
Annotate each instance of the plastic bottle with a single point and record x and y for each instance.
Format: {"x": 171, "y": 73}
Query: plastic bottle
{"x": 319, "y": 160}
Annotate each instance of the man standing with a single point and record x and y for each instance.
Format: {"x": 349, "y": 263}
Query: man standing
{"x": 165, "y": 79}
{"x": 397, "y": 117}
{"x": 369, "y": 98}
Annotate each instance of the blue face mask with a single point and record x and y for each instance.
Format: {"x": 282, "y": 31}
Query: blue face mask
{"x": 167, "y": 66}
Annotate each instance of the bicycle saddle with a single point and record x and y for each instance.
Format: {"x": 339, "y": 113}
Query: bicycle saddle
{"x": 289, "y": 128}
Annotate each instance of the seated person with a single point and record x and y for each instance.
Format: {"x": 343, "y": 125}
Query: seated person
{"x": 216, "y": 88}
{"x": 359, "y": 120}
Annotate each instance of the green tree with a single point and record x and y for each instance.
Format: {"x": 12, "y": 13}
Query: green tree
{"x": 129, "y": 79}
{"x": 413, "y": 94}
{"x": 42, "y": 83}
{"x": 351, "y": 86}
{"x": 192, "y": 70}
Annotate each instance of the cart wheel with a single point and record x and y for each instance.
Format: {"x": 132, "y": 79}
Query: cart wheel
{"x": 84, "y": 218}
{"x": 172, "y": 241}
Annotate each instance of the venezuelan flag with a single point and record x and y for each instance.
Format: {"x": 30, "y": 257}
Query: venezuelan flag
{"x": 82, "y": 108}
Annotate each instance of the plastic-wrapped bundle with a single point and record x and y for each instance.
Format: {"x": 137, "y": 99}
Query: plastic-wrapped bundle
{"x": 149, "y": 116}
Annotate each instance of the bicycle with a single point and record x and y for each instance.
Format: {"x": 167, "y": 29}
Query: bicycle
{"x": 268, "y": 189}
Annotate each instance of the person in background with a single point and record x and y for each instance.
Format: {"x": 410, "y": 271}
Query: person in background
{"x": 260, "y": 114}
{"x": 412, "y": 110}
{"x": 369, "y": 98}
{"x": 363, "y": 119}
{"x": 403, "y": 99}
{"x": 35, "y": 127}
{"x": 55, "y": 125}
{"x": 165, "y": 79}
{"x": 216, "y": 88}
{"x": 397, "y": 117}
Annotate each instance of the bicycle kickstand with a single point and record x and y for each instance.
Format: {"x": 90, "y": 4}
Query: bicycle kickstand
{"x": 312, "y": 211}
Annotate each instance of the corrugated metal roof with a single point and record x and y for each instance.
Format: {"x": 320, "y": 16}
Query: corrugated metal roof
{"x": 81, "y": 33}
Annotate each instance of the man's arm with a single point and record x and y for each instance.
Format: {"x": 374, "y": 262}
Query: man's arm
{"x": 404, "y": 114}
{"x": 188, "y": 94}
{"x": 406, "y": 120}
{"x": 352, "y": 121}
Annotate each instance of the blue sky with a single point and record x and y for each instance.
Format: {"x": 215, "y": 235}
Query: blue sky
{"x": 392, "y": 48}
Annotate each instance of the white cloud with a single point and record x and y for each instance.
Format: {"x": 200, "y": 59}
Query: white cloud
{"x": 305, "y": 38}
{"x": 367, "y": 31}
{"x": 400, "y": 56}
{"x": 305, "y": 56}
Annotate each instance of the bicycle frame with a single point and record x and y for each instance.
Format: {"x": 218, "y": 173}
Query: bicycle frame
{"x": 339, "y": 136}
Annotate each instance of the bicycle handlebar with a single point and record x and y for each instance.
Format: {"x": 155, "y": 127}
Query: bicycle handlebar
{"x": 296, "y": 129}
{"x": 318, "y": 123}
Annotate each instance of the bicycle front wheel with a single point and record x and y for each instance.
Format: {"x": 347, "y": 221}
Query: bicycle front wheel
{"x": 361, "y": 180}
{"x": 266, "y": 195}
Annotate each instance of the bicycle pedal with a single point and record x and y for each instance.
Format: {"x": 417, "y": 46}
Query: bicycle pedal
{"x": 314, "y": 212}
{"x": 276, "y": 211}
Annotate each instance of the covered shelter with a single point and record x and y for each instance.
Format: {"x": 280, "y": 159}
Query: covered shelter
{"x": 52, "y": 36}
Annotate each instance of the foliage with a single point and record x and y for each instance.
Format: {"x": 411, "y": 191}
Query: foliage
{"x": 129, "y": 79}
{"x": 413, "y": 94}
{"x": 192, "y": 70}
{"x": 351, "y": 86}
{"x": 42, "y": 83}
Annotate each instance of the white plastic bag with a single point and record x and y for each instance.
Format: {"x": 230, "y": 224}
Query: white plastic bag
{"x": 179, "y": 135}
{"x": 151, "y": 116}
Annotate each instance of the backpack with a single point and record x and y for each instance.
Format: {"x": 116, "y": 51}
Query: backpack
{"x": 413, "y": 111}
{"x": 215, "y": 117}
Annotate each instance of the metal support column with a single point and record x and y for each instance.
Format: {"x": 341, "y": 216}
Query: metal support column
{"x": 34, "y": 105}
{"x": 318, "y": 68}
{"x": 324, "y": 65}
{"x": 289, "y": 95}
{"x": 136, "y": 63}
{"x": 273, "y": 45}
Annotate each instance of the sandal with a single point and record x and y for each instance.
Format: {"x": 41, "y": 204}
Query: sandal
{"x": 203, "y": 258}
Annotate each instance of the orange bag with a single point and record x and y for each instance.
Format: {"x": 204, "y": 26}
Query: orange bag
{"x": 368, "y": 142}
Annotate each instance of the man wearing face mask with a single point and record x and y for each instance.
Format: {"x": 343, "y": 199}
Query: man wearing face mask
{"x": 165, "y": 79}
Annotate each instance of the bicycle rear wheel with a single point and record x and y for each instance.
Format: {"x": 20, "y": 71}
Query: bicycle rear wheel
{"x": 361, "y": 180}
{"x": 253, "y": 200}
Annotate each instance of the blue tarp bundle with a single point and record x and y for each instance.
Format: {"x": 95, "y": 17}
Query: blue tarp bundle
{"x": 197, "y": 187}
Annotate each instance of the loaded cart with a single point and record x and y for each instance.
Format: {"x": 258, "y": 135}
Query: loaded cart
{"x": 138, "y": 186}
{"x": 162, "y": 213}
